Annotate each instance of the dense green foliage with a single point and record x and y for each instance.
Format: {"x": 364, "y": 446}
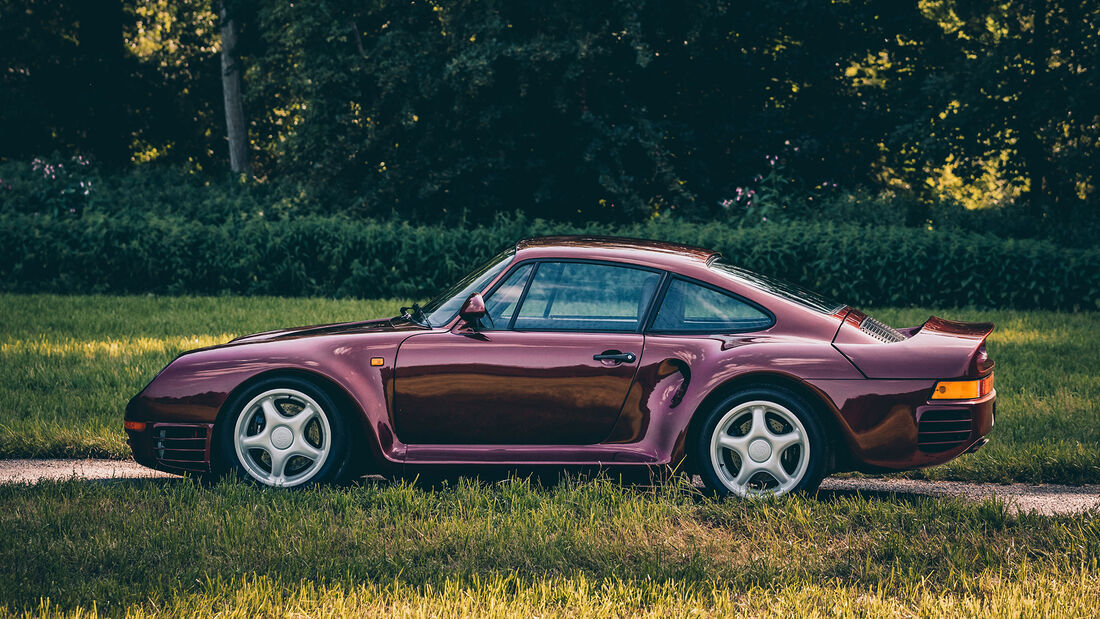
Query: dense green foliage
{"x": 335, "y": 256}
{"x": 68, "y": 364}
{"x": 69, "y": 188}
{"x": 578, "y": 110}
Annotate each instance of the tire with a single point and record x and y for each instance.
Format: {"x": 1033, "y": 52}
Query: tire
{"x": 761, "y": 441}
{"x": 289, "y": 450}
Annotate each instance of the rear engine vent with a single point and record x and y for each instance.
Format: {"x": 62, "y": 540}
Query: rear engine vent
{"x": 182, "y": 446}
{"x": 943, "y": 429}
{"x": 880, "y": 331}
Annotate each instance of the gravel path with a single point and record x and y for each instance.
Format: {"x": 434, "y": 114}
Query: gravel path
{"x": 1043, "y": 498}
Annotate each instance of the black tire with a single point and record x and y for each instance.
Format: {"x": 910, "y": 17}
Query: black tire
{"x": 328, "y": 438}
{"x": 720, "y": 467}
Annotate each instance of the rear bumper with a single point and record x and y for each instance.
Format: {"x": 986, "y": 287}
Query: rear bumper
{"x": 893, "y": 426}
{"x": 955, "y": 427}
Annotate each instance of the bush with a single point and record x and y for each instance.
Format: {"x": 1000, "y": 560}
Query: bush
{"x": 335, "y": 256}
{"x": 62, "y": 188}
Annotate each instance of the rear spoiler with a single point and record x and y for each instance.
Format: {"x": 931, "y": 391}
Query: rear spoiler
{"x": 938, "y": 349}
{"x": 971, "y": 330}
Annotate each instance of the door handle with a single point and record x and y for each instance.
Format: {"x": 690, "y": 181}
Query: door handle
{"x": 614, "y": 355}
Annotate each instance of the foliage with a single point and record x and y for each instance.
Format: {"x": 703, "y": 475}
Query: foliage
{"x": 173, "y": 192}
{"x": 64, "y": 188}
{"x": 335, "y": 256}
{"x": 574, "y": 110}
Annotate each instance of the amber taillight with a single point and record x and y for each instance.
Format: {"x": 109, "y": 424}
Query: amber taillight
{"x": 963, "y": 389}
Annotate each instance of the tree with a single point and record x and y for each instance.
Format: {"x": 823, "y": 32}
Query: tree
{"x": 236, "y": 130}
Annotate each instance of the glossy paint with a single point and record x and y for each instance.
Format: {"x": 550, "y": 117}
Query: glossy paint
{"x": 451, "y": 395}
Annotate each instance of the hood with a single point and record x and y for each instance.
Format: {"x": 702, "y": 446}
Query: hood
{"x": 380, "y": 325}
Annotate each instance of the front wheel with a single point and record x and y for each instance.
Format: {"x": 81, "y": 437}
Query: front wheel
{"x": 285, "y": 432}
{"x": 761, "y": 441}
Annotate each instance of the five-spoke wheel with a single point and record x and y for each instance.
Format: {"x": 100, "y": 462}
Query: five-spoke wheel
{"x": 761, "y": 441}
{"x": 286, "y": 433}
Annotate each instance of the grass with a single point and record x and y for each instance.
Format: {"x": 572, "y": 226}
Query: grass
{"x": 68, "y": 364}
{"x": 584, "y": 548}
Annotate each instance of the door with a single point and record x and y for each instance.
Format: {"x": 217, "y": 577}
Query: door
{"x": 550, "y": 365}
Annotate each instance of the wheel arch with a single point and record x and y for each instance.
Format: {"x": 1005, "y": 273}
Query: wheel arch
{"x": 347, "y": 407}
{"x": 820, "y": 403}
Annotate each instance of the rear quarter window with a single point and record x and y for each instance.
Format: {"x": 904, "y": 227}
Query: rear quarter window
{"x": 688, "y": 307}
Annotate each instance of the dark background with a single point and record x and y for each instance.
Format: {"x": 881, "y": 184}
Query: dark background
{"x": 934, "y": 117}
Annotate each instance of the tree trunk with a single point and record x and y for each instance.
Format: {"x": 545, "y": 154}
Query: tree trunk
{"x": 1035, "y": 112}
{"x": 231, "y": 91}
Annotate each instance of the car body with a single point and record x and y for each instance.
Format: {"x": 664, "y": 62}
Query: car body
{"x": 581, "y": 351}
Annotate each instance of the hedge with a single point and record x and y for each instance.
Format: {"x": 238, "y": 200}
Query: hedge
{"x": 334, "y": 256}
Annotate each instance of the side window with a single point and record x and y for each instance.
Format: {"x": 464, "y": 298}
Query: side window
{"x": 502, "y": 303}
{"x": 577, "y": 296}
{"x": 689, "y": 307}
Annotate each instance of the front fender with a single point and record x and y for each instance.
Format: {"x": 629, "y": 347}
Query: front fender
{"x": 195, "y": 387}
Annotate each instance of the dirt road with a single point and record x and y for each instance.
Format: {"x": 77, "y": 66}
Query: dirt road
{"x": 1043, "y": 498}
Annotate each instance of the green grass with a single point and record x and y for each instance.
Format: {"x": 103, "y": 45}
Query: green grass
{"x": 68, "y": 364}
{"x": 588, "y": 548}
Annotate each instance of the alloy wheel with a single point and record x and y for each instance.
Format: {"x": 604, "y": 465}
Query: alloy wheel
{"x": 282, "y": 437}
{"x": 759, "y": 448}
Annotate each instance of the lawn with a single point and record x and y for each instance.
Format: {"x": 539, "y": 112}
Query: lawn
{"x": 68, "y": 364}
{"x": 584, "y": 548}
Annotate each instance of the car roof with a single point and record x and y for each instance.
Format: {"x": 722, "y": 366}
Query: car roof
{"x": 656, "y": 253}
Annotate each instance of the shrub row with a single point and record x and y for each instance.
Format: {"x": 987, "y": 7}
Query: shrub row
{"x": 71, "y": 188}
{"x": 332, "y": 256}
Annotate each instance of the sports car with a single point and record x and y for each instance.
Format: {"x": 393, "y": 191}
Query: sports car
{"x": 580, "y": 352}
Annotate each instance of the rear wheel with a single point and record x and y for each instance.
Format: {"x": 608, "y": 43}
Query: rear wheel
{"x": 285, "y": 432}
{"x": 761, "y": 441}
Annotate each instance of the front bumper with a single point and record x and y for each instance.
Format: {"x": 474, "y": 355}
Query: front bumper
{"x": 172, "y": 447}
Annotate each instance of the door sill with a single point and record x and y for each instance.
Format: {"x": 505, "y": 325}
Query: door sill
{"x": 529, "y": 454}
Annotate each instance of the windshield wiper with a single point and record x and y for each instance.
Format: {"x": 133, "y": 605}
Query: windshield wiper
{"x": 416, "y": 315}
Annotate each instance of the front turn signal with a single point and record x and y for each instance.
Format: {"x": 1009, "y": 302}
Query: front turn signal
{"x": 962, "y": 389}
{"x": 134, "y": 426}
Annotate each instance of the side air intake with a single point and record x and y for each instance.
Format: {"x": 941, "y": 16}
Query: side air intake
{"x": 943, "y": 429}
{"x": 184, "y": 447}
{"x": 880, "y": 331}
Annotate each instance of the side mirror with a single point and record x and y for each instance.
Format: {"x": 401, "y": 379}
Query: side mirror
{"x": 473, "y": 310}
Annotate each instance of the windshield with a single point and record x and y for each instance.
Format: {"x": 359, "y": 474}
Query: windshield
{"x": 780, "y": 288}
{"x": 443, "y": 308}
